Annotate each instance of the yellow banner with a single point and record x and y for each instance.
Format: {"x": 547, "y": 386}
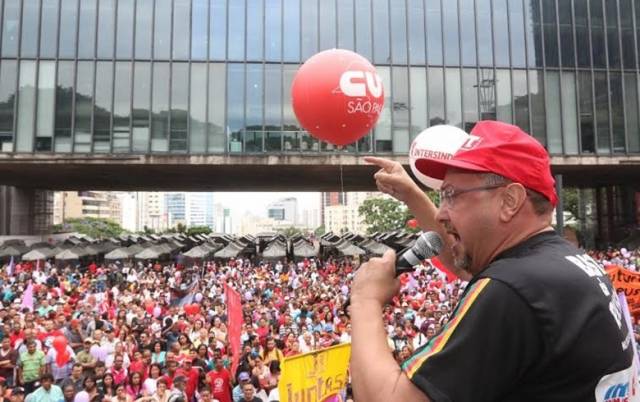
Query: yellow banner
{"x": 319, "y": 376}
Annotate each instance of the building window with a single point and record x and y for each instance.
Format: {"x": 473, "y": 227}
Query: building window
{"x": 587, "y": 126}
{"x": 30, "y": 19}
{"x": 26, "y": 106}
{"x": 122, "y": 108}
{"x": 141, "y": 106}
{"x": 291, "y": 30}
{"x": 399, "y": 32}
{"x": 106, "y": 23}
{"x": 569, "y": 113}
{"x": 46, "y": 105}
{"x": 8, "y": 78}
{"x": 87, "y": 27}
{"x": 199, "y": 29}
{"x": 49, "y": 28}
{"x": 603, "y": 141}
{"x": 198, "y": 109}
{"x": 553, "y": 112}
{"x": 631, "y": 111}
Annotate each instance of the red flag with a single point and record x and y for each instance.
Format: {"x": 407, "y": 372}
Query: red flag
{"x": 234, "y": 328}
{"x": 438, "y": 264}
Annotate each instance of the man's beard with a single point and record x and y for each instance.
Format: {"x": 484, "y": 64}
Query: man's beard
{"x": 462, "y": 262}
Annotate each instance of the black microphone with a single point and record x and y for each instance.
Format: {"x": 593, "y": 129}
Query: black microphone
{"x": 427, "y": 245}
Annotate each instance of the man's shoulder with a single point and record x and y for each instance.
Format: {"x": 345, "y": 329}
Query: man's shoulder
{"x": 546, "y": 256}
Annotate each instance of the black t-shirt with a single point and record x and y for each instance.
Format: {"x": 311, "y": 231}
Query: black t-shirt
{"x": 540, "y": 323}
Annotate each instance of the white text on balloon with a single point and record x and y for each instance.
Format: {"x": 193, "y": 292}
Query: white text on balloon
{"x": 363, "y": 107}
{"x": 358, "y": 89}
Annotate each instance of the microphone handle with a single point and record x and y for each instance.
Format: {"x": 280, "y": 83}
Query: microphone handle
{"x": 402, "y": 266}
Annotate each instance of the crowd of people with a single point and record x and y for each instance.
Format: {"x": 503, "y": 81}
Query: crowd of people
{"x": 129, "y": 338}
{"x": 628, "y": 259}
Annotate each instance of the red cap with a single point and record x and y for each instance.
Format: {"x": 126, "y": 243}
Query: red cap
{"x": 503, "y": 149}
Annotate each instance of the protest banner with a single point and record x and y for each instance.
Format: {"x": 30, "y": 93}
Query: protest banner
{"x": 319, "y": 376}
{"x": 628, "y": 283}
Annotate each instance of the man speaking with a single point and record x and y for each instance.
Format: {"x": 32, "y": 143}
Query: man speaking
{"x": 538, "y": 321}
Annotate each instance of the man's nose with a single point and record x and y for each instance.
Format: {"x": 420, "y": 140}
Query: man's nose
{"x": 442, "y": 215}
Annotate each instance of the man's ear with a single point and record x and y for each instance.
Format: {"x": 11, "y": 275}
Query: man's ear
{"x": 514, "y": 197}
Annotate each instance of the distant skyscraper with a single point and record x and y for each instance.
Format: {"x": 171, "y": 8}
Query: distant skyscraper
{"x": 285, "y": 209}
{"x": 82, "y": 204}
{"x": 329, "y": 200}
{"x": 58, "y": 207}
{"x": 128, "y": 210}
{"x": 310, "y": 218}
{"x": 218, "y": 218}
{"x": 228, "y": 223}
{"x": 152, "y": 212}
{"x": 344, "y": 216}
{"x": 200, "y": 209}
{"x": 176, "y": 206}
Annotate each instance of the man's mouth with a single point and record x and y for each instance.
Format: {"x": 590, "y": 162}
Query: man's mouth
{"x": 455, "y": 237}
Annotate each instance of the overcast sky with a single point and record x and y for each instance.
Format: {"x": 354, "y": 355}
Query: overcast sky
{"x": 256, "y": 203}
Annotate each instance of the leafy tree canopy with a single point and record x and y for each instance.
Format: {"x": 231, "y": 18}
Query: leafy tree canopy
{"x": 383, "y": 214}
{"x": 98, "y": 228}
{"x": 290, "y": 231}
{"x": 195, "y": 230}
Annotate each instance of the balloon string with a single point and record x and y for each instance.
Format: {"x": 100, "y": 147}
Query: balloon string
{"x": 341, "y": 181}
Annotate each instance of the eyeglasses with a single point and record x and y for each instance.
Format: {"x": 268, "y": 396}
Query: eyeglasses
{"x": 449, "y": 194}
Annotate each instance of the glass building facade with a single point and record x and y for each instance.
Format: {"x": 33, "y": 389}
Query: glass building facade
{"x": 214, "y": 76}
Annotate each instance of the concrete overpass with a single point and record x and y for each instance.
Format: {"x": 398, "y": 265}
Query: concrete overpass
{"x": 27, "y": 180}
{"x": 281, "y": 172}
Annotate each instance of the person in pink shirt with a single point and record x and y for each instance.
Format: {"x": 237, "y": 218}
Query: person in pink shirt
{"x": 118, "y": 371}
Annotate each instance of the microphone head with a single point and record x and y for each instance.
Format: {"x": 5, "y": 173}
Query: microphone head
{"x": 428, "y": 245}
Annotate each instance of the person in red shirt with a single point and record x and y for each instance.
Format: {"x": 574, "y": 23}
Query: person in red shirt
{"x": 192, "y": 375}
{"x": 263, "y": 329}
{"x": 138, "y": 365}
{"x": 172, "y": 370}
{"x": 220, "y": 382}
{"x": 16, "y": 335}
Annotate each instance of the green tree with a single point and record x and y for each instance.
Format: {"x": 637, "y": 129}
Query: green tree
{"x": 320, "y": 230}
{"x": 434, "y": 196}
{"x": 571, "y": 200}
{"x": 98, "y": 228}
{"x": 147, "y": 230}
{"x": 181, "y": 228}
{"x": 383, "y": 214}
{"x": 290, "y": 231}
{"x": 194, "y": 230}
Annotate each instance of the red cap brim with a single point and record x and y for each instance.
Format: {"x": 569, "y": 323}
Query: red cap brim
{"x": 437, "y": 168}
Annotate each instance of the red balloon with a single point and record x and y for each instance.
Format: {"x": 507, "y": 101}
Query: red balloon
{"x": 60, "y": 343}
{"x": 412, "y": 223}
{"x": 192, "y": 309}
{"x": 337, "y": 96}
